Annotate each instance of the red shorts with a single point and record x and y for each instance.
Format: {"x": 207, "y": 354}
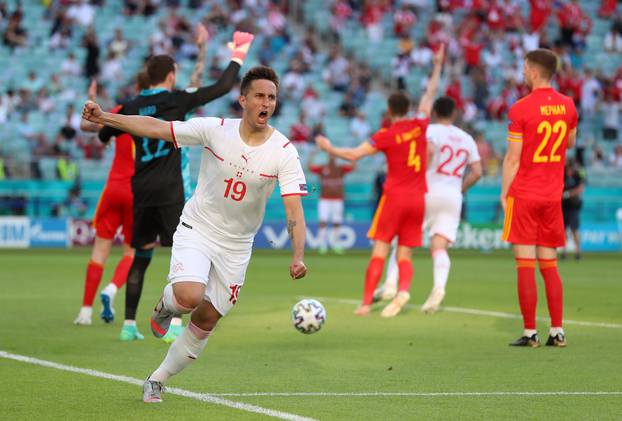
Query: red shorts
{"x": 534, "y": 222}
{"x": 114, "y": 209}
{"x": 399, "y": 216}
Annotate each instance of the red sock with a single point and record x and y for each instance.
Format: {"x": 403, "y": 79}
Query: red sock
{"x": 120, "y": 273}
{"x": 554, "y": 290}
{"x": 94, "y": 272}
{"x": 372, "y": 277}
{"x": 405, "y": 270}
{"x": 527, "y": 291}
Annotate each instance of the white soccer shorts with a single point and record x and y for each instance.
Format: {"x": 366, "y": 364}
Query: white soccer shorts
{"x": 221, "y": 269}
{"x": 442, "y": 214}
{"x": 330, "y": 211}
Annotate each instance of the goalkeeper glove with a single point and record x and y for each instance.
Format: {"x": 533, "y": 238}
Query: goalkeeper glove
{"x": 240, "y": 45}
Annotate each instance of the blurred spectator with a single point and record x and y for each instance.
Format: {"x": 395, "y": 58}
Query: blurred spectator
{"x": 265, "y": 53}
{"x": 400, "y": 68}
{"x": 119, "y": 45}
{"x": 337, "y": 73}
{"x": 45, "y": 103}
{"x": 25, "y": 129}
{"x": 373, "y": 14}
{"x": 613, "y": 40}
{"x": 341, "y": 12}
{"x": 293, "y": 83}
{"x": 70, "y": 66}
{"x": 488, "y": 155}
{"x": 15, "y": 35}
{"x": 574, "y": 185}
{"x": 590, "y": 92}
{"x": 404, "y": 20}
{"x": 421, "y": 54}
{"x": 112, "y": 70}
{"x": 32, "y": 83}
{"x": 598, "y": 157}
{"x": 480, "y": 89}
{"x": 607, "y": 8}
{"x": 611, "y": 116}
{"x": 66, "y": 169}
{"x": 616, "y": 157}
{"x": 61, "y": 39}
{"x": 454, "y": 91}
{"x": 74, "y": 206}
{"x": 574, "y": 24}
{"x": 91, "y": 63}
{"x": 81, "y": 12}
{"x": 360, "y": 129}
{"x": 300, "y": 131}
{"x": 314, "y": 108}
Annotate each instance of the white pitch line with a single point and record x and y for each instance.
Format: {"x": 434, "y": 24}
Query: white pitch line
{"x": 203, "y": 397}
{"x": 477, "y": 312}
{"x": 416, "y": 394}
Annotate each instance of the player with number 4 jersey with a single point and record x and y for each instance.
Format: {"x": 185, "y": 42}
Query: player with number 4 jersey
{"x": 401, "y": 208}
{"x": 542, "y": 127}
{"x": 453, "y": 151}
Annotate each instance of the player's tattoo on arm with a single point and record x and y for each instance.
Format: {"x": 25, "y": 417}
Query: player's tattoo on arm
{"x": 290, "y": 228}
{"x": 197, "y": 73}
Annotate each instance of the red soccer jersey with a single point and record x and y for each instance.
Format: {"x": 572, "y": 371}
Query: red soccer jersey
{"x": 405, "y": 147}
{"x": 542, "y": 121}
{"x": 122, "y": 168}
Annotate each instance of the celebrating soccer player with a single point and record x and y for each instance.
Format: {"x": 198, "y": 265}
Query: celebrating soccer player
{"x": 401, "y": 208}
{"x": 542, "y": 126}
{"x": 161, "y": 182}
{"x": 453, "y": 150}
{"x": 242, "y": 162}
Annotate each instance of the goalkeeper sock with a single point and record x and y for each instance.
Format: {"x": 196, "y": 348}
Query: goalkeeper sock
{"x": 184, "y": 350}
{"x": 554, "y": 290}
{"x": 135, "y": 279}
{"x": 527, "y": 291}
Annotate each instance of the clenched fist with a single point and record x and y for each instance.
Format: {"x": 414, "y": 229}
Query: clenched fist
{"x": 92, "y": 112}
{"x": 297, "y": 269}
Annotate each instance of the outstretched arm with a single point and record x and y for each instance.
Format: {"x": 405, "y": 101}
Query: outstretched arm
{"x": 350, "y": 154}
{"x": 427, "y": 100}
{"x": 133, "y": 124}
{"x": 297, "y": 230}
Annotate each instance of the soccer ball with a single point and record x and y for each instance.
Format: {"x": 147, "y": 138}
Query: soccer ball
{"x": 308, "y": 316}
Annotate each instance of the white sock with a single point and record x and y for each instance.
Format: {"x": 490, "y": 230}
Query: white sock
{"x": 171, "y": 304}
{"x": 391, "y": 279}
{"x": 555, "y": 330}
{"x": 321, "y": 236}
{"x": 86, "y": 311}
{"x": 184, "y": 350}
{"x": 176, "y": 321}
{"x": 442, "y": 264}
{"x": 529, "y": 332}
{"x": 129, "y": 323}
{"x": 110, "y": 290}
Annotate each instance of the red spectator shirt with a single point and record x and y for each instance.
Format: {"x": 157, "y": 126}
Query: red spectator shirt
{"x": 540, "y": 13}
{"x": 331, "y": 179}
{"x": 405, "y": 147}
{"x": 542, "y": 121}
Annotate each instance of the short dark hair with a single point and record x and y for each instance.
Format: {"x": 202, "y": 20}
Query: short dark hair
{"x": 158, "y": 67}
{"x": 257, "y": 73}
{"x": 399, "y": 104}
{"x": 444, "y": 107}
{"x": 545, "y": 59}
{"x": 142, "y": 80}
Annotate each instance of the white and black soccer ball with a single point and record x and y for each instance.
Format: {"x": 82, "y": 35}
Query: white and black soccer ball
{"x": 308, "y": 316}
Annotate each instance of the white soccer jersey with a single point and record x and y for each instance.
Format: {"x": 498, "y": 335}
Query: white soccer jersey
{"x": 235, "y": 179}
{"x": 453, "y": 150}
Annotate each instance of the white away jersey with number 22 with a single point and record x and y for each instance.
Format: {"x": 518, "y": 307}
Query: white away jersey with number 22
{"x": 235, "y": 179}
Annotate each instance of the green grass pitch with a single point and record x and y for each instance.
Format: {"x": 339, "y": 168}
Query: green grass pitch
{"x": 256, "y": 350}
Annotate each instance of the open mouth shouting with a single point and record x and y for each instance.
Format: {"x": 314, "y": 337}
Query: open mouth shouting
{"x": 262, "y": 117}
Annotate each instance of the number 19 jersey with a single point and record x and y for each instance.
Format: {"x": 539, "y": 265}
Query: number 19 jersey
{"x": 541, "y": 121}
{"x": 235, "y": 179}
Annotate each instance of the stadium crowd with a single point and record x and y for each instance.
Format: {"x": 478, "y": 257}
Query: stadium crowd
{"x": 486, "y": 40}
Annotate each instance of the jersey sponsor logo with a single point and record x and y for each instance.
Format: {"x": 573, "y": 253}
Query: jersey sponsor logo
{"x": 235, "y": 291}
{"x": 148, "y": 110}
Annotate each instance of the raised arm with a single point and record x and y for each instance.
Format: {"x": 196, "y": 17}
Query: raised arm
{"x": 349, "y": 154}
{"x": 133, "y": 124}
{"x": 239, "y": 48}
{"x": 197, "y": 73}
{"x": 297, "y": 230}
{"x": 427, "y": 100}
{"x": 85, "y": 125}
